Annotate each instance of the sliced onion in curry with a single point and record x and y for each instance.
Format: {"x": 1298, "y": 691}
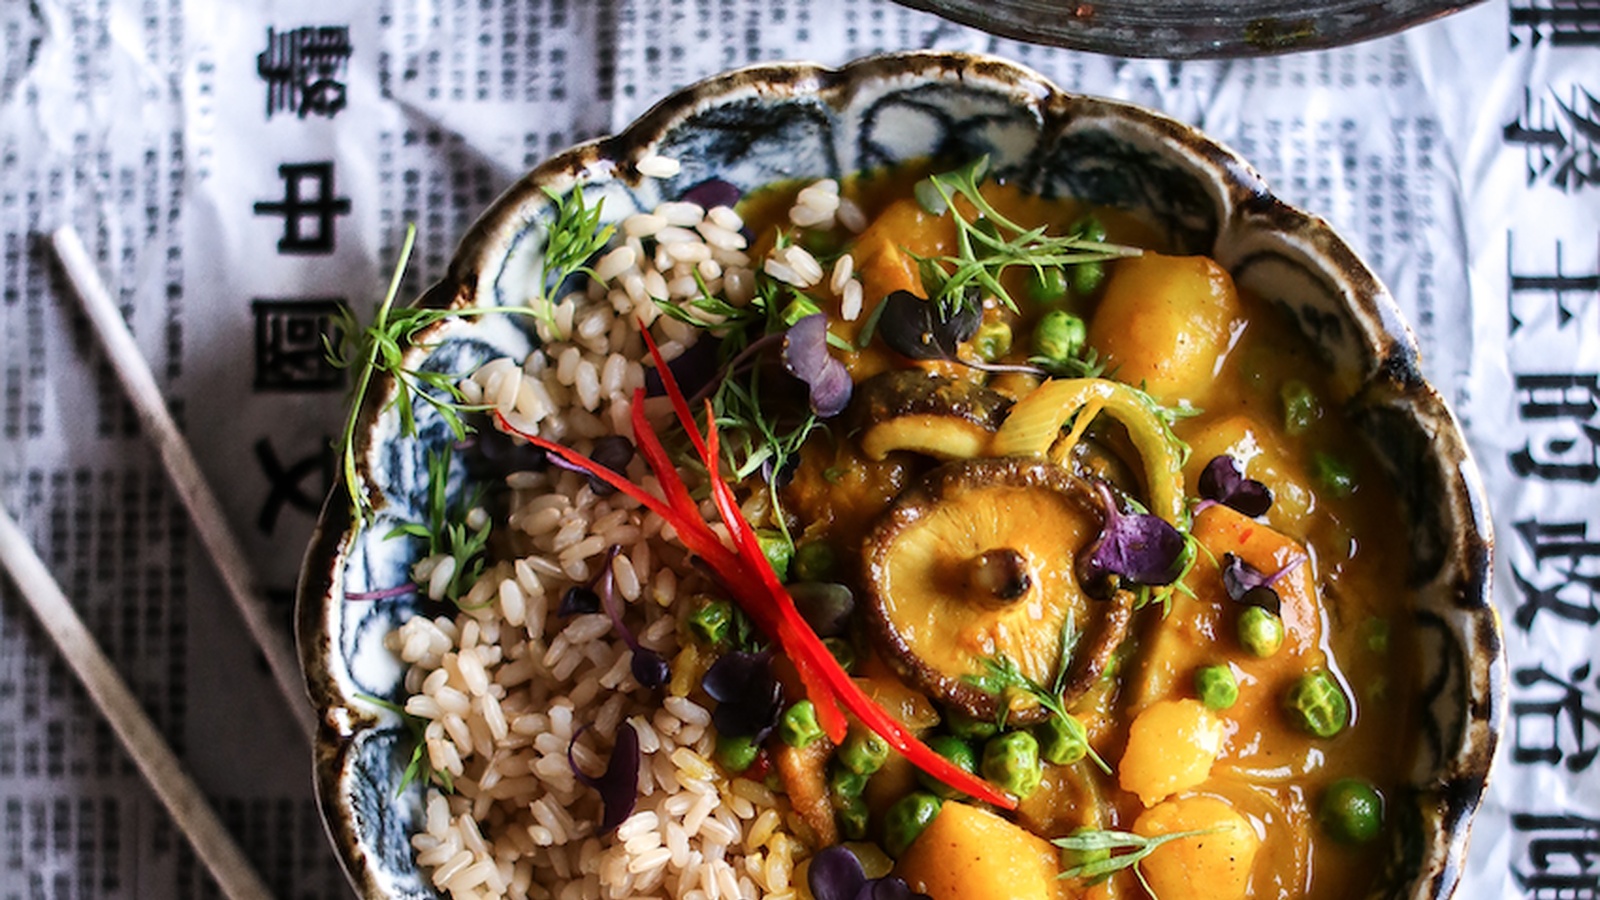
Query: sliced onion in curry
{"x": 979, "y": 560}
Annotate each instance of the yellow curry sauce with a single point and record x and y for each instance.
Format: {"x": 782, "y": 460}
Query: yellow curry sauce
{"x": 1178, "y": 327}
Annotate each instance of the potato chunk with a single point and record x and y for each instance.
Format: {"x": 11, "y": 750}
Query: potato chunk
{"x": 1212, "y": 866}
{"x": 1171, "y": 746}
{"x": 1168, "y": 322}
{"x": 969, "y": 854}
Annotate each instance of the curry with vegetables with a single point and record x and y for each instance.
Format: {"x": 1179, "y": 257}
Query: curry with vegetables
{"x": 1047, "y": 566}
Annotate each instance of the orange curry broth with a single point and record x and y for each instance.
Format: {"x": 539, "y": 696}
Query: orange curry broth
{"x": 1353, "y": 577}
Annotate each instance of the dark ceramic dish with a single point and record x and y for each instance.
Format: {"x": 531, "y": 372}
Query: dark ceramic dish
{"x": 758, "y": 125}
{"x": 1191, "y": 29}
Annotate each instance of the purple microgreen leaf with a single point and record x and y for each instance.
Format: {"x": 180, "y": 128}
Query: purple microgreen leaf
{"x": 1239, "y": 577}
{"x": 1223, "y": 481}
{"x": 825, "y": 606}
{"x": 649, "y": 669}
{"x": 614, "y": 452}
{"x": 920, "y": 329}
{"x": 619, "y": 786}
{"x": 806, "y": 356}
{"x": 835, "y": 874}
{"x": 1137, "y": 548}
{"x": 713, "y": 192}
{"x": 749, "y": 696}
{"x": 1248, "y": 585}
{"x": 384, "y": 594}
{"x": 578, "y": 601}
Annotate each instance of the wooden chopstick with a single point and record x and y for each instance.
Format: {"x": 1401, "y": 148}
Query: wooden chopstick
{"x": 206, "y": 513}
{"x": 178, "y": 793}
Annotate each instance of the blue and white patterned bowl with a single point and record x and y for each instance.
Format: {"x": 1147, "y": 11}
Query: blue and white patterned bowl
{"x": 770, "y": 123}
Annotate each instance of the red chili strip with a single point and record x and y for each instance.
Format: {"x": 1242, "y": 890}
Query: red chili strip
{"x": 749, "y": 578}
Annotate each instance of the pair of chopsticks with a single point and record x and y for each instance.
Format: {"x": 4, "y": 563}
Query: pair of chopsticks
{"x": 155, "y": 759}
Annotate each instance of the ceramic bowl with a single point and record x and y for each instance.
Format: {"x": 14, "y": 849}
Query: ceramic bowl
{"x": 1192, "y": 29}
{"x": 769, "y": 123}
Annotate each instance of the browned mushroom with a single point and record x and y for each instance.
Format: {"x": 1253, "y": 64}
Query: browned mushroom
{"x": 978, "y": 561}
{"x": 910, "y": 409}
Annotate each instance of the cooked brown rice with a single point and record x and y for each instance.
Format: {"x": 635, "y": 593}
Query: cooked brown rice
{"x": 506, "y": 686}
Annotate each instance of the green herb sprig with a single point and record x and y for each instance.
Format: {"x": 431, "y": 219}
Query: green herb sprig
{"x": 984, "y": 253}
{"x": 1002, "y": 674}
{"x": 752, "y": 436}
{"x": 447, "y": 531}
{"x": 575, "y": 236}
{"x": 418, "y": 768}
{"x": 1105, "y": 840}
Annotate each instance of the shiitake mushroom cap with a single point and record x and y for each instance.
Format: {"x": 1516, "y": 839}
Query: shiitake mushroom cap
{"x": 912, "y": 409}
{"x": 936, "y": 623}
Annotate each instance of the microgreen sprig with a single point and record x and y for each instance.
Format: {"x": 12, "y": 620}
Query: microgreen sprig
{"x": 1109, "y": 841}
{"x": 753, "y": 437}
{"x": 983, "y": 254}
{"x": 419, "y": 767}
{"x": 449, "y": 532}
{"x": 1002, "y": 674}
{"x": 575, "y": 236}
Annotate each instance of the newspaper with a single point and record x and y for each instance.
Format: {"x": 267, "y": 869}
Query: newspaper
{"x": 239, "y": 169}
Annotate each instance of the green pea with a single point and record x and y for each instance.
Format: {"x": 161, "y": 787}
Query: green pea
{"x": 1059, "y": 336}
{"x": 778, "y": 551}
{"x": 958, "y": 752}
{"x": 736, "y": 753}
{"x": 992, "y": 341}
{"x": 1011, "y": 760}
{"x": 863, "y": 752}
{"x": 1317, "y": 704}
{"x": 844, "y": 653}
{"x": 1300, "y": 407}
{"x": 1351, "y": 811}
{"x": 907, "y": 819}
{"x": 1260, "y": 631}
{"x": 969, "y": 728}
{"x": 852, "y": 818}
{"x": 1334, "y": 475}
{"x": 844, "y": 785}
{"x": 814, "y": 561}
{"x": 1090, "y": 228}
{"x": 798, "y": 727}
{"x": 711, "y": 623}
{"x": 1087, "y": 278}
{"x": 821, "y": 242}
{"x": 1062, "y": 740}
{"x": 1047, "y": 284}
{"x": 1216, "y": 686}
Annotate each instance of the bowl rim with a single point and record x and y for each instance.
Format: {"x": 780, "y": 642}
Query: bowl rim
{"x": 1226, "y": 35}
{"x": 1454, "y": 793}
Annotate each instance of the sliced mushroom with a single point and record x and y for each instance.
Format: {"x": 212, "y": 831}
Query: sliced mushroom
{"x": 910, "y": 409}
{"x": 978, "y": 560}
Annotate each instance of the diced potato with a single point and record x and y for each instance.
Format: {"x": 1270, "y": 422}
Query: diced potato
{"x": 1168, "y": 322}
{"x": 969, "y": 854}
{"x": 884, "y": 251}
{"x": 1171, "y": 746}
{"x": 1222, "y": 530}
{"x": 1212, "y": 866}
